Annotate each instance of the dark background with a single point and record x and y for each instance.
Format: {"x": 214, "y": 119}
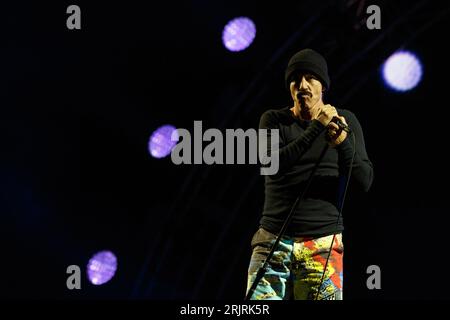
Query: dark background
{"x": 78, "y": 108}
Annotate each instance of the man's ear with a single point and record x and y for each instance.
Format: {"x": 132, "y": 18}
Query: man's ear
{"x": 292, "y": 89}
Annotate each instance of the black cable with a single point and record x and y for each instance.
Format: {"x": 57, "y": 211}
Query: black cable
{"x": 339, "y": 215}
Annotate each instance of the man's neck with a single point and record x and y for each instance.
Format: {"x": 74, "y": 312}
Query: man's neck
{"x": 305, "y": 115}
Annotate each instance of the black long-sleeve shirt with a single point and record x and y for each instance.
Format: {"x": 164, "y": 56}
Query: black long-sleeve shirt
{"x": 300, "y": 145}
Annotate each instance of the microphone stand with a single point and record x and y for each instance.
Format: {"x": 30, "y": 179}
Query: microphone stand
{"x": 262, "y": 270}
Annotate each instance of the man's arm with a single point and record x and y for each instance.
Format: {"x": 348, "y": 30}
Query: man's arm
{"x": 290, "y": 153}
{"x": 362, "y": 169}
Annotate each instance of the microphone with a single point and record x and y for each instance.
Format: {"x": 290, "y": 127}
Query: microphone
{"x": 341, "y": 124}
{"x": 336, "y": 120}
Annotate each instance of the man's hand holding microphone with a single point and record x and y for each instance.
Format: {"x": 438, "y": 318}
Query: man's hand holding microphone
{"x": 337, "y": 128}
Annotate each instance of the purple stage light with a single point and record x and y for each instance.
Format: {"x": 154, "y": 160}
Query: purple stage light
{"x": 102, "y": 267}
{"x": 402, "y": 71}
{"x": 160, "y": 144}
{"x": 238, "y": 34}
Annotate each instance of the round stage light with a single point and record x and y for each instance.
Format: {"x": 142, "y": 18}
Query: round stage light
{"x": 160, "y": 144}
{"x": 238, "y": 34}
{"x": 101, "y": 267}
{"x": 402, "y": 71}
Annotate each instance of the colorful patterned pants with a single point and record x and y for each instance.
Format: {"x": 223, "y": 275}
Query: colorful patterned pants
{"x": 296, "y": 268}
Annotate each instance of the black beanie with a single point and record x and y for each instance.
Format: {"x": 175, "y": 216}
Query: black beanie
{"x": 311, "y": 61}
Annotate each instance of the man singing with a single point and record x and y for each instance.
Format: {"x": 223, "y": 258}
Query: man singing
{"x": 308, "y": 261}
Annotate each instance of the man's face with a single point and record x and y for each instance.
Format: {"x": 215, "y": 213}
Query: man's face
{"x": 309, "y": 87}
